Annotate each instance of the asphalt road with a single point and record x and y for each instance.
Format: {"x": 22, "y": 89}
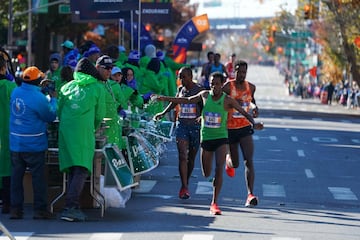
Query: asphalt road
{"x": 307, "y": 163}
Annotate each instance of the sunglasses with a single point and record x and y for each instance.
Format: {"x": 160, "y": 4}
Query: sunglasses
{"x": 106, "y": 67}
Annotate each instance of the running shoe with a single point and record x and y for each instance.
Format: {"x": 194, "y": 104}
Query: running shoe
{"x": 184, "y": 193}
{"x": 73, "y": 215}
{"x": 229, "y": 170}
{"x": 214, "y": 209}
{"x": 251, "y": 201}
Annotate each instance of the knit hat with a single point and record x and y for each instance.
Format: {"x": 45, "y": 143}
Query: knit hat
{"x": 32, "y": 74}
{"x": 115, "y": 70}
{"x": 55, "y": 56}
{"x": 104, "y": 60}
{"x": 92, "y": 50}
{"x": 150, "y": 51}
{"x": 121, "y": 48}
{"x": 134, "y": 55}
{"x": 68, "y": 44}
{"x": 85, "y": 66}
{"x": 160, "y": 55}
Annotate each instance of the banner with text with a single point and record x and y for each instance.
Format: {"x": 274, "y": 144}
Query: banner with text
{"x": 111, "y": 11}
{"x": 186, "y": 34}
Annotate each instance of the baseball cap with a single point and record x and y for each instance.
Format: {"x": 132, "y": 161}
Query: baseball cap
{"x": 115, "y": 70}
{"x": 32, "y": 74}
{"x": 104, "y": 60}
{"x": 68, "y": 44}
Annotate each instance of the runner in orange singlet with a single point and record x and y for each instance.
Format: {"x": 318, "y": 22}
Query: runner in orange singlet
{"x": 240, "y": 129}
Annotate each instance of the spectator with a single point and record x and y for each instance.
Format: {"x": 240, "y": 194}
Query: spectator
{"x": 70, "y": 54}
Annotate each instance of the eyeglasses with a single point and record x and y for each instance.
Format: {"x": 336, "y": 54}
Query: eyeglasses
{"x": 106, "y": 67}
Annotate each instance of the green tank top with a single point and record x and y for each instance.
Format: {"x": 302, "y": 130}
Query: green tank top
{"x": 214, "y": 119}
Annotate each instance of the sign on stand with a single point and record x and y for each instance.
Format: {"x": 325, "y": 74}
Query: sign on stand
{"x": 117, "y": 171}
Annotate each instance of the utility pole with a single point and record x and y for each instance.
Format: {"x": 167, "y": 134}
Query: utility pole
{"x": 29, "y": 41}
{"x": 10, "y": 30}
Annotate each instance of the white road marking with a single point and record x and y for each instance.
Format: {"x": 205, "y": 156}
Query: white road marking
{"x": 271, "y": 138}
{"x": 204, "y": 188}
{"x": 107, "y": 236}
{"x": 145, "y": 186}
{"x": 271, "y": 190}
{"x": 294, "y": 139}
{"x": 342, "y": 193}
{"x": 18, "y": 235}
{"x": 325, "y": 139}
{"x": 301, "y": 153}
{"x": 309, "y": 173}
{"x": 197, "y": 237}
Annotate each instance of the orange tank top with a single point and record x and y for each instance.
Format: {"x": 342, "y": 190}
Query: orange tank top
{"x": 236, "y": 119}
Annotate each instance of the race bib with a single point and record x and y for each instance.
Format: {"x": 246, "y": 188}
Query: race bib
{"x": 188, "y": 110}
{"x": 212, "y": 120}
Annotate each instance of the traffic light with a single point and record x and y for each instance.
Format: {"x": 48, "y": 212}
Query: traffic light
{"x": 307, "y": 12}
{"x": 271, "y": 34}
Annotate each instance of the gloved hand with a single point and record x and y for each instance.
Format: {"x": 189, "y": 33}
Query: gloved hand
{"x": 147, "y": 96}
{"x": 10, "y": 77}
{"x": 132, "y": 84}
{"x": 122, "y": 113}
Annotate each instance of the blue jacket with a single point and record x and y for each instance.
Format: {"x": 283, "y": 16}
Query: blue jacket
{"x": 30, "y": 111}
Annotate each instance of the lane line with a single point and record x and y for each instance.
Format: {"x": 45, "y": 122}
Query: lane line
{"x": 271, "y": 190}
{"x": 294, "y": 139}
{"x": 145, "y": 186}
{"x": 309, "y": 173}
{"x": 342, "y": 193}
{"x": 301, "y": 153}
{"x": 204, "y": 188}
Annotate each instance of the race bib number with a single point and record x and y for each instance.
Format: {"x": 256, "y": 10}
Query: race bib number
{"x": 188, "y": 110}
{"x": 212, "y": 120}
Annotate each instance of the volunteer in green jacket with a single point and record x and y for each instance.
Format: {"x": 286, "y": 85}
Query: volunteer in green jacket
{"x": 6, "y": 87}
{"x": 113, "y": 99}
{"x": 214, "y": 129}
{"x": 81, "y": 110}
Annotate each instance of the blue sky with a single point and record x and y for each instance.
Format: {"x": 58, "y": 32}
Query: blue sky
{"x": 243, "y": 8}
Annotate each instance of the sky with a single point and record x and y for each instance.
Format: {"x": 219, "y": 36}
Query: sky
{"x": 243, "y": 8}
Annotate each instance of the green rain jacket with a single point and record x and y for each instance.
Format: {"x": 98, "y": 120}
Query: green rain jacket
{"x": 81, "y": 110}
{"x": 113, "y": 99}
{"x": 6, "y": 87}
{"x": 56, "y": 77}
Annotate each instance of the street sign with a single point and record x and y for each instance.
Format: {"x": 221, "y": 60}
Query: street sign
{"x": 11, "y": 47}
{"x": 64, "y": 9}
{"x": 301, "y": 34}
{"x": 296, "y": 45}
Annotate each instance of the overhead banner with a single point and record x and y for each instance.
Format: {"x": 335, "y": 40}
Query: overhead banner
{"x": 145, "y": 37}
{"x": 112, "y": 10}
{"x": 186, "y": 34}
